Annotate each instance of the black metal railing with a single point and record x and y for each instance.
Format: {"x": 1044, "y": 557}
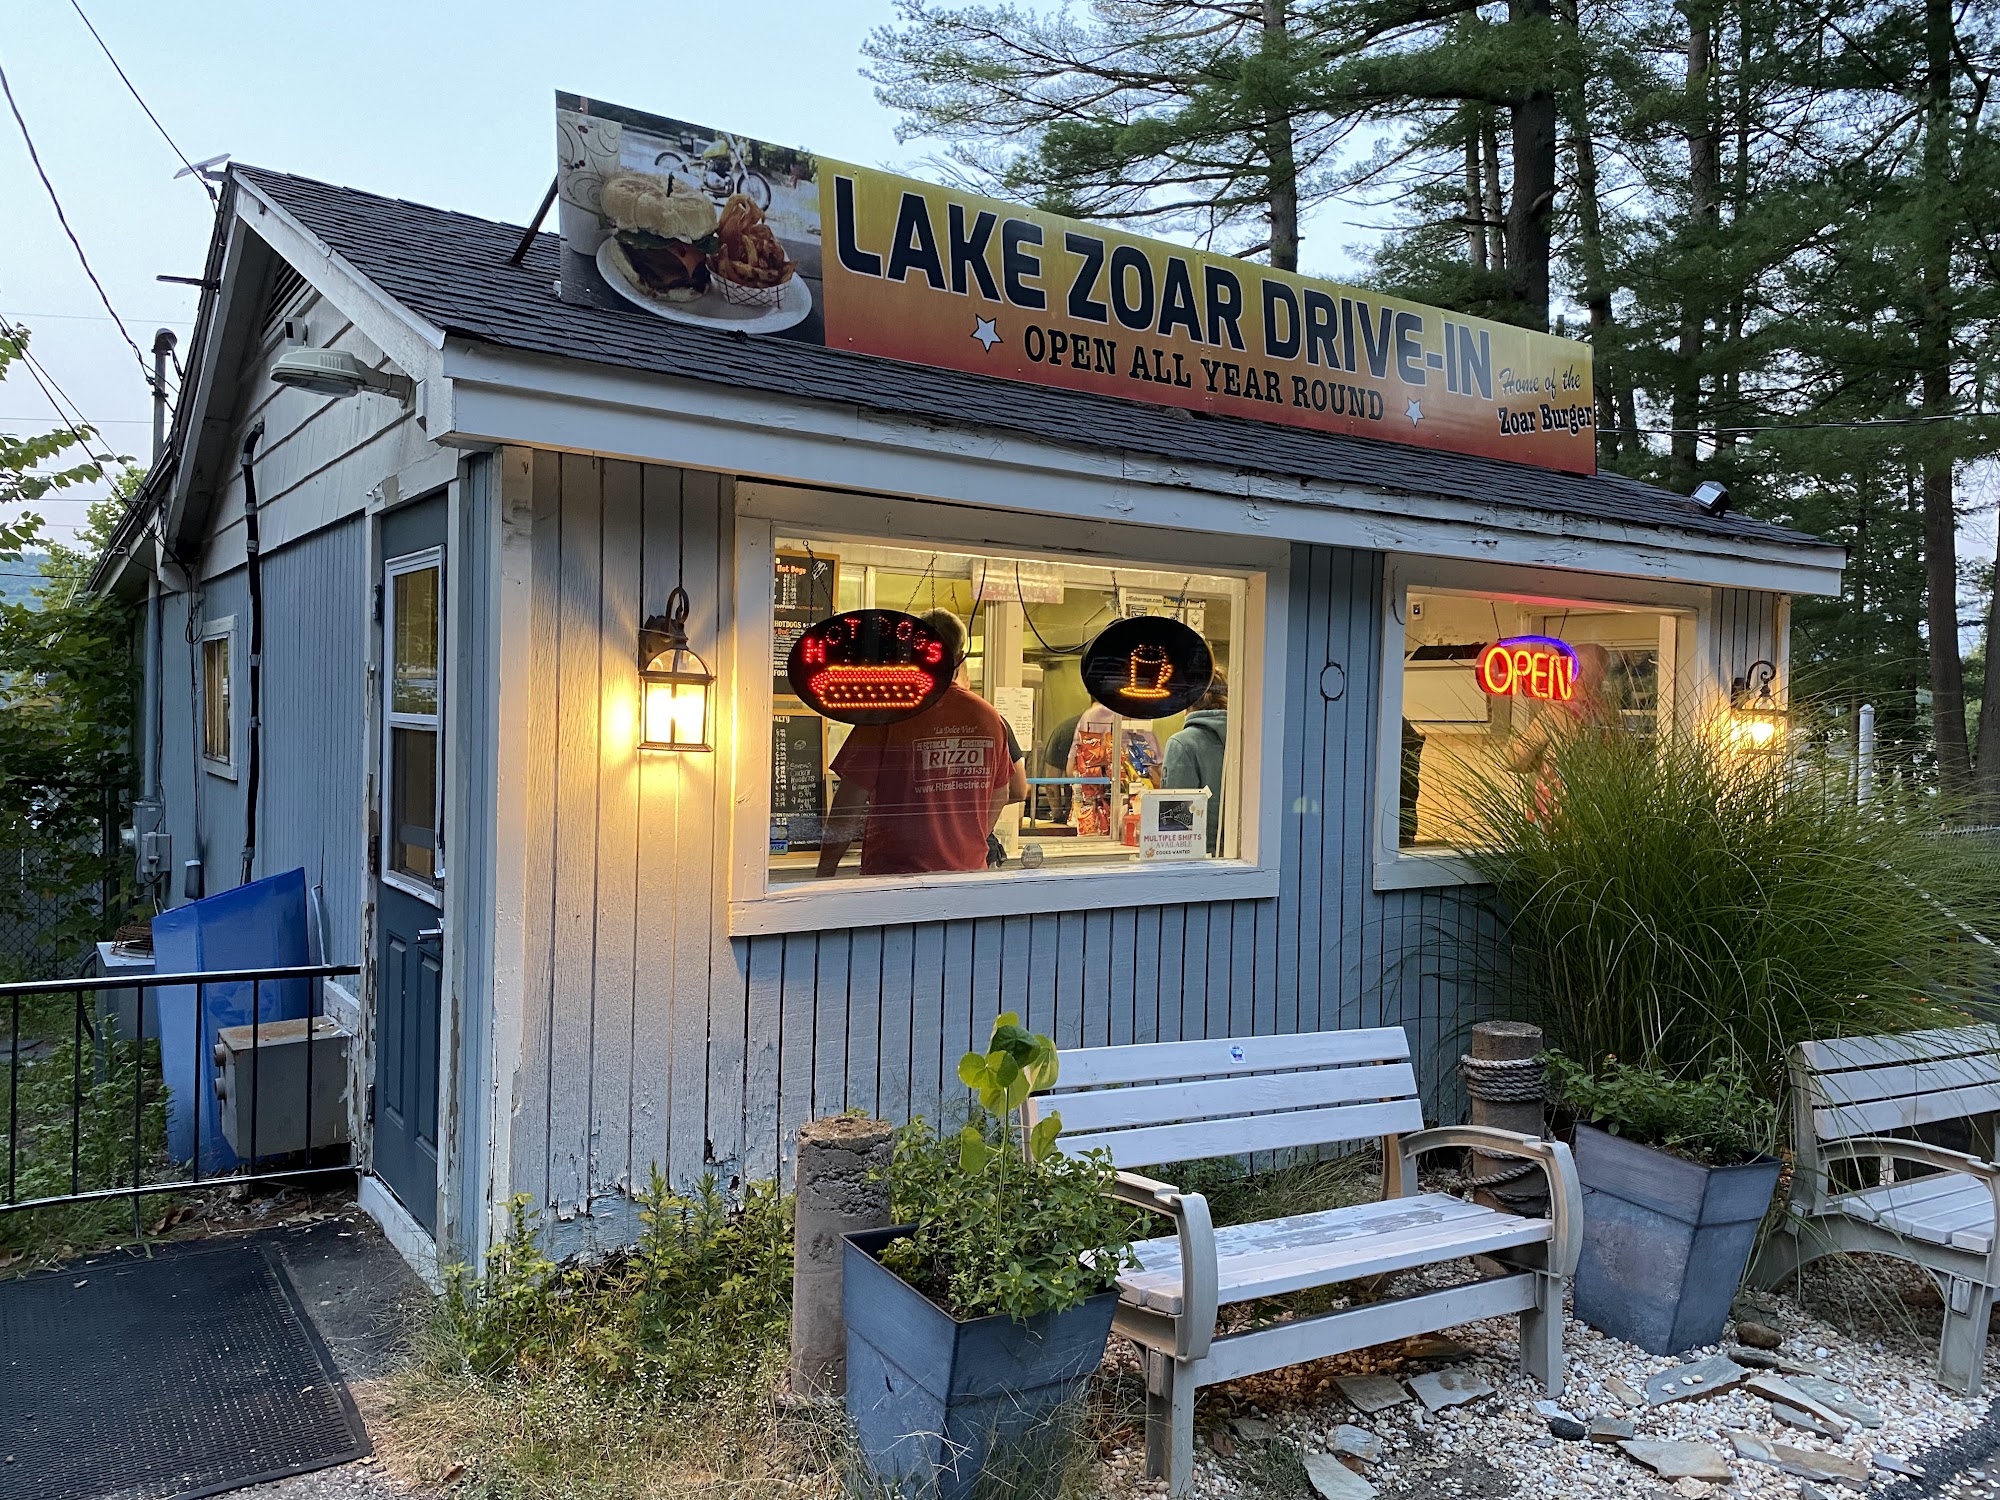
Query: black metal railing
{"x": 35, "y": 1103}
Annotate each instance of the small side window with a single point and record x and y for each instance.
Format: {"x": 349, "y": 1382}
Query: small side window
{"x": 218, "y": 721}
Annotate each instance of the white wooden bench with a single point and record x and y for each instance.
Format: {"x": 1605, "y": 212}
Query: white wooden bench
{"x": 1847, "y": 1096}
{"x": 1184, "y": 1101}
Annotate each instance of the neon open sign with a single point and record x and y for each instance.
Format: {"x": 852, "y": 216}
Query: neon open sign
{"x": 1529, "y": 666}
{"x": 869, "y": 666}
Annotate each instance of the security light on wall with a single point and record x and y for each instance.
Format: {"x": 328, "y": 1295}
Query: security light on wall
{"x": 335, "y": 372}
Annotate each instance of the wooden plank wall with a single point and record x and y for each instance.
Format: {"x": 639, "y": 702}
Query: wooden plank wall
{"x": 650, "y": 1038}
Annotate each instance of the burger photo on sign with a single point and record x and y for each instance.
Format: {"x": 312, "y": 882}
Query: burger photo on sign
{"x": 673, "y": 253}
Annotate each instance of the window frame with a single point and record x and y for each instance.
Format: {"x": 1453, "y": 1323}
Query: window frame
{"x": 764, "y": 511}
{"x": 1693, "y": 685}
{"x": 222, "y": 628}
{"x": 393, "y": 568}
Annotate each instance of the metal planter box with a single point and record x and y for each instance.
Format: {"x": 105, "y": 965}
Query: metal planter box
{"x": 1665, "y": 1241}
{"x": 937, "y": 1404}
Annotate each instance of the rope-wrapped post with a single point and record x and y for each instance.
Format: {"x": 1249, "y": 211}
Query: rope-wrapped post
{"x": 843, "y": 1187}
{"x": 1504, "y": 1080}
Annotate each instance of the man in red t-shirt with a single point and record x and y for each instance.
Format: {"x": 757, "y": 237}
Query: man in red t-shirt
{"x": 922, "y": 794}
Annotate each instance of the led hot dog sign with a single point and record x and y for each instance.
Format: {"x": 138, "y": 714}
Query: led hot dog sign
{"x": 869, "y": 666}
{"x": 1528, "y": 666}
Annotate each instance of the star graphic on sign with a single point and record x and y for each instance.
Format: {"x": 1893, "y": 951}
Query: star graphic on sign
{"x": 987, "y": 334}
{"x": 1415, "y": 412}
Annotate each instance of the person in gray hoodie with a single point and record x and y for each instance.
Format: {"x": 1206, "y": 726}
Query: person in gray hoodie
{"x": 1194, "y": 753}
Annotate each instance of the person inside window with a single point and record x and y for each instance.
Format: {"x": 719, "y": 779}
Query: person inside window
{"x": 1194, "y": 752}
{"x": 1589, "y": 708}
{"x": 922, "y": 795}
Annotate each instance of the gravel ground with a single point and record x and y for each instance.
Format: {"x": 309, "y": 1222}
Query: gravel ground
{"x": 1499, "y": 1445}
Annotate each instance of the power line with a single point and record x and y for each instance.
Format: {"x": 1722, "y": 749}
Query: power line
{"x": 63, "y": 219}
{"x": 207, "y": 186}
{"x": 78, "y": 427}
{"x": 1960, "y": 416}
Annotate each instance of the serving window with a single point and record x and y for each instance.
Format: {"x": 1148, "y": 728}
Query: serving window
{"x": 984, "y": 715}
{"x": 1489, "y": 681}
{"x": 1014, "y": 767}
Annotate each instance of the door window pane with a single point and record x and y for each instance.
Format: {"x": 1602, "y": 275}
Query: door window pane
{"x": 413, "y": 804}
{"x": 414, "y": 652}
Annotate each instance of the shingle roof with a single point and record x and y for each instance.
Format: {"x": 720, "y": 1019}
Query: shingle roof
{"x": 453, "y": 270}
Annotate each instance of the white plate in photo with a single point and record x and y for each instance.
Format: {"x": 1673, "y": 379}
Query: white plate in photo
{"x": 711, "y": 309}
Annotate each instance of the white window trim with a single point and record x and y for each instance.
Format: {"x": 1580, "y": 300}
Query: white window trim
{"x": 395, "y": 567}
{"x": 1257, "y": 694}
{"x": 222, "y": 628}
{"x": 1694, "y": 687}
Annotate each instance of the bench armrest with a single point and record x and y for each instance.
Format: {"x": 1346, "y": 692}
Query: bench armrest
{"x": 1565, "y": 1192}
{"x": 1855, "y": 1148}
{"x": 1194, "y": 1328}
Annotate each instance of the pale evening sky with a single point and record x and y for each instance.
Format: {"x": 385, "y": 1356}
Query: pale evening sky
{"x": 444, "y": 103}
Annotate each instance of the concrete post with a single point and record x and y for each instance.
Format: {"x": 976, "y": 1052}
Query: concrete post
{"x": 843, "y": 1186}
{"x": 1507, "y": 1092}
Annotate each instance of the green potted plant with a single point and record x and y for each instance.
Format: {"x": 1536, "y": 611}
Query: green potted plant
{"x": 971, "y": 1323}
{"x": 1676, "y": 1179}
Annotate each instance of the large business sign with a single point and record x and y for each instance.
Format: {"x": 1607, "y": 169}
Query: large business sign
{"x": 698, "y": 226}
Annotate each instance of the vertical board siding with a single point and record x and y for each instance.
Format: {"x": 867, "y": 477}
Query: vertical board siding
{"x": 654, "y": 1040}
{"x": 315, "y": 675}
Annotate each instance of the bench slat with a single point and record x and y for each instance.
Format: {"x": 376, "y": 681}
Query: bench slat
{"x": 1297, "y": 1340}
{"x": 1157, "y": 1062}
{"x": 1211, "y": 1098}
{"x": 1884, "y": 1115}
{"x": 1196, "y": 1140}
{"x": 1342, "y": 1244}
{"x": 1871, "y": 1051}
{"x": 1897, "y": 1080}
{"x": 1946, "y": 1209}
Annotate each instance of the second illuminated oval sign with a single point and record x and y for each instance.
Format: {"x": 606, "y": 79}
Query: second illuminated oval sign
{"x": 1147, "y": 667}
{"x": 869, "y": 666}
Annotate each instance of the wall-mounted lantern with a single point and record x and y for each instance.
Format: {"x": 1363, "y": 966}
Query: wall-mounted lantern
{"x": 1756, "y": 719}
{"x": 674, "y": 683}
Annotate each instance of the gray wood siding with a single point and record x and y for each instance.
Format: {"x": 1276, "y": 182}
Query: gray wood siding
{"x": 648, "y": 1037}
{"x": 316, "y": 647}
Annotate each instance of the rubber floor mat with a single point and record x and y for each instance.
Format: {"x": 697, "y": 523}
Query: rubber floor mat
{"x": 192, "y": 1373}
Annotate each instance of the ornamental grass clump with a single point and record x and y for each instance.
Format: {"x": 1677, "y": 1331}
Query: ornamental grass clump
{"x": 1683, "y": 907}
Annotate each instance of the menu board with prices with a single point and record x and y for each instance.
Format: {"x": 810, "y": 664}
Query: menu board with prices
{"x": 802, "y": 591}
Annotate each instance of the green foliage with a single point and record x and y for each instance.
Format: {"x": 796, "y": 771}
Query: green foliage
{"x": 1005, "y": 1222}
{"x": 694, "y": 1310}
{"x": 1679, "y": 905}
{"x": 1719, "y": 1118}
{"x": 68, "y": 684}
{"x": 111, "y": 1084}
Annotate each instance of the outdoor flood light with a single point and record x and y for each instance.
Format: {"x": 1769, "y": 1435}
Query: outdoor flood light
{"x": 1757, "y": 721}
{"x": 334, "y": 372}
{"x": 674, "y": 682}
{"x": 1712, "y": 496}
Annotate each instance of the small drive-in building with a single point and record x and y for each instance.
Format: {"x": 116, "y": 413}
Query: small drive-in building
{"x": 586, "y": 958}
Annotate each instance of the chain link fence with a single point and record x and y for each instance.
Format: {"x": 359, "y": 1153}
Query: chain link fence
{"x": 58, "y": 899}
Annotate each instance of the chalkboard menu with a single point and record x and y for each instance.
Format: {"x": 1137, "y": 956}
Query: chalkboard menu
{"x": 798, "y": 780}
{"x": 802, "y": 588}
